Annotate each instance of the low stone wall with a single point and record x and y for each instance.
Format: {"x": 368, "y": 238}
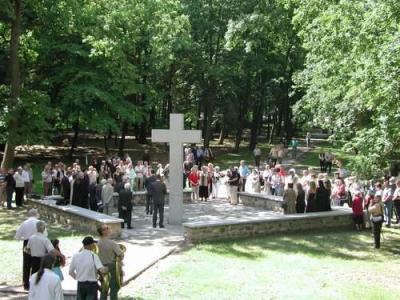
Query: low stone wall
{"x": 260, "y": 200}
{"x": 196, "y": 232}
{"x": 72, "y": 216}
{"x": 139, "y": 199}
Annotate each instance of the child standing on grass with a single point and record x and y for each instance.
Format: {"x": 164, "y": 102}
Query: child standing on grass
{"x": 357, "y": 207}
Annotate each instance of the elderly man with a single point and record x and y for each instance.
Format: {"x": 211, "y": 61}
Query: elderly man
{"x": 25, "y": 231}
{"x": 107, "y": 195}
{"x": 84, "y": 268}
{"x": 108, "y": 253}
{"x": 125, "y": 205}
{"x": 19, "y": 187}
{"x": 39, "y": 245}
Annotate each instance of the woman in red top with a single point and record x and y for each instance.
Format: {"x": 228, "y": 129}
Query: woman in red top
{"x": 357, "y": 207}
{"x": 194, "y": 183}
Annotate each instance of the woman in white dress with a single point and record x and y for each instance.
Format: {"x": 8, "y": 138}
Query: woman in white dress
{"x": 253, "y": 182}
{"x": 266, "y": 174}
{"x": 223, "y": 186}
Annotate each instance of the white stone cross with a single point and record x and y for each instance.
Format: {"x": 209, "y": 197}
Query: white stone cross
{"x": 175, "y": 136}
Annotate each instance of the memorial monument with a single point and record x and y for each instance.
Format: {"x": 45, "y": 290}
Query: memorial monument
{"x": 176, "y": 136}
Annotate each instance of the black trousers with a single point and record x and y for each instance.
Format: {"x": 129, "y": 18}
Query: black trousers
{"x": 149, "y": 204}
{"x": 26, "y": 266}
{"x": 19, "y": 196}
{"x": 322, "y": 165}
{"x": 9, "y": 192}
{"x": 87, "y": 290}
{"x": 396, "y": 205}
{"x": 377, "y": 227}
{"x": 328, "y": 167}
{"x": 158, "y": 209}
{"x": 35, "y": 261}
{"x": 127, "y": 216}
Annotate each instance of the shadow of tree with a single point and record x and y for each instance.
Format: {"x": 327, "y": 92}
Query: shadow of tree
{"x": 11, "y": 219}
{"x": 343, "y": 245}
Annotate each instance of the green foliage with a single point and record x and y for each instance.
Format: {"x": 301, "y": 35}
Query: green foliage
{"x": 351, "y": 78}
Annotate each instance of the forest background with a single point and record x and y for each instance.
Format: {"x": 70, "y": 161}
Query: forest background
{"x": 273, "y": 67}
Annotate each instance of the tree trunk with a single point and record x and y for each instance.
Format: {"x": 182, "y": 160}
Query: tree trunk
{"x": 124, "y": 131}
{"x": 105, "y": 145}
{"x": 143, "y": 133}
{"x": 222, "y": 135}
{"x": 74, "y": 139}
{"x": 255, "y": 124}
{"x": 15, "y": 75}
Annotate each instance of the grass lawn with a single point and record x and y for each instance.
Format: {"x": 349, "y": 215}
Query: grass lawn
{"x": 11, "y": 249}
{"x": 342, "y": 265}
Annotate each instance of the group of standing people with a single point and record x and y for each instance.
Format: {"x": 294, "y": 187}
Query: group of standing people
{"x": 42, "y": 262}
{"x": 19, "y": 182}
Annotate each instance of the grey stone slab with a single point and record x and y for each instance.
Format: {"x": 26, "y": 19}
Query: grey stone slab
{"x": 176, "y": 136}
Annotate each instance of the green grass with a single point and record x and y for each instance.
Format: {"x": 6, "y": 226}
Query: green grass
{"x": 340, "y": 265}
{"x": 11, "y": 249}
{"x": 230, "y": 159}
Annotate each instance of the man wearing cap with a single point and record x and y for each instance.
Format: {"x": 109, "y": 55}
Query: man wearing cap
{"x": 84, "y": 268}
{"x": 25, "y": 231}
{"x": 39, "y": 245}
{"x": 108, "y": 253}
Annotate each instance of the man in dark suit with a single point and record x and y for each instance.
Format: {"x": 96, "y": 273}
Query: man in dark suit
{"x": 147, "y": 184}
{"x": 125, "y": 205}
{"x": 158, "y": 191}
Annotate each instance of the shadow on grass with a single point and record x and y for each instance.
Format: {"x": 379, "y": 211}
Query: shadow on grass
{"x": 341, "y": 245}
{"x": 10, "y": 220}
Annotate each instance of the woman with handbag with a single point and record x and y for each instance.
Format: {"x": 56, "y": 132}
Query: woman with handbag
{"x": 376, "y": 211}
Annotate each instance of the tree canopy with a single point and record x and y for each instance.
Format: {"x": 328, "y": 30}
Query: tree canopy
{"x": 120, "y": 67}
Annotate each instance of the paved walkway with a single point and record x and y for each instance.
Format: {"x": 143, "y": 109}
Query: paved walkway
{"x": 146, "y": 245}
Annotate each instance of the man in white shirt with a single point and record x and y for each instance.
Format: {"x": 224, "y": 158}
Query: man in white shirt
{"x": 84, "y": 268}
{"x": 45, "y": 284}
{"x": 25, "y": 232}
{"x": 39, "y": 245}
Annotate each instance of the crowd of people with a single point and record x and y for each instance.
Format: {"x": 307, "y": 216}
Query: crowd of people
{"x": 373, "y": 203}
{"x": 43, "y": 258}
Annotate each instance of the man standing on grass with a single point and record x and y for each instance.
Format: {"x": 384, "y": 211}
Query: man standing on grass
{"x": 39, "y": 245}
{"x": 25, "y": 231}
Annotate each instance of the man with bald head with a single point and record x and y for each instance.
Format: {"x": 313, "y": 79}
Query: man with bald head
{"x": 25, "y": 231}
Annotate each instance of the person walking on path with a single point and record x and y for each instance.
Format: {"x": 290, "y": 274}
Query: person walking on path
{"x": 109, "y": 251}
{"x": 308, "y": 139}
{"x": 25, "y": 231}
{"x": 84, "y": 268}
{"x": 295, "y": 144}
{"x": 158, "y": 190}
{"x": 257, "y": 156}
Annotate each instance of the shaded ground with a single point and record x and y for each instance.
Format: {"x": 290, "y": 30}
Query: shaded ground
{"x": 342, "y": 265}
